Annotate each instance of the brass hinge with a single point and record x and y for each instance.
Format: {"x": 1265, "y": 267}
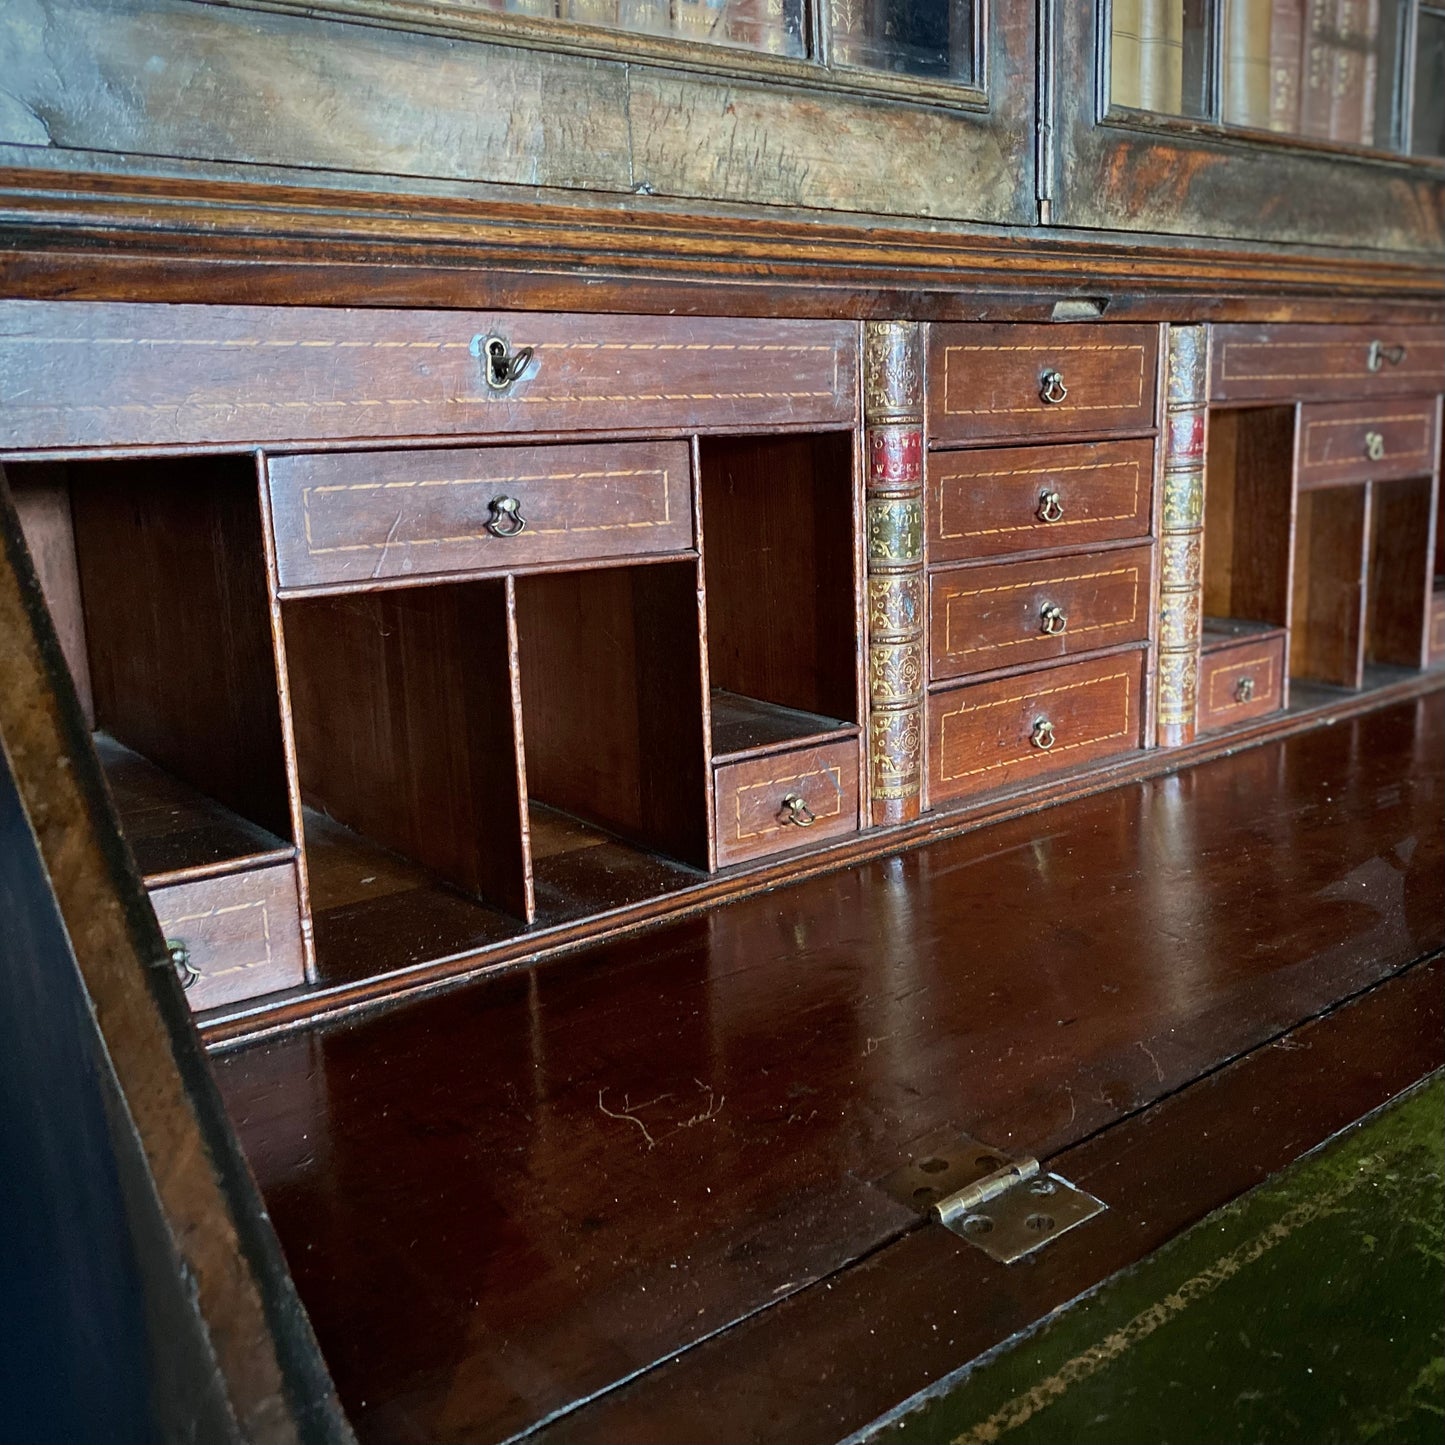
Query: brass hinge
{"x": 1007, "y": 1207}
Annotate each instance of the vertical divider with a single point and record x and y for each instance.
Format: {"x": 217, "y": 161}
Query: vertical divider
{"x": 698, "y": 523}
{"x": 288, "y": 731}
{"x": 519, "y": 753}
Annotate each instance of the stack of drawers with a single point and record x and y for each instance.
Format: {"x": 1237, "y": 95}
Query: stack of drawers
{"x": 1040, "y": 557}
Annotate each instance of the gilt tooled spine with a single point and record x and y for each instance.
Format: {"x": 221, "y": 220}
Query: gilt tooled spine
{"x": 893, "y": 418}
{"x": 1181, "y": 543}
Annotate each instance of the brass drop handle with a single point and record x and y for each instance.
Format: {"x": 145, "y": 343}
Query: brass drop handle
{"x": 1051, "y": 507}
{"x": 506, "y": 519}
{"x": 1052, "y": 620}
{"x": 1051, "y": 388}
{"x": 1380, "y": 354}
{"x": 1244, "y": 689}
{"x": 1042, "y": 736}
{"x": 501, "y": 366}
{"x": 1374, "y": 446}
{"x": 186, "y": 971}
{"x": 796, "y": 811}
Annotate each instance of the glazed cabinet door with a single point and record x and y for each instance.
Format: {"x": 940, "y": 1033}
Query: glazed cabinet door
{"x": 1308, "y": 121}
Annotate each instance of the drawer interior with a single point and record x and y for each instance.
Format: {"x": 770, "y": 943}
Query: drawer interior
{"x": 154, "y": 573}
{"x": 779, "y": 530}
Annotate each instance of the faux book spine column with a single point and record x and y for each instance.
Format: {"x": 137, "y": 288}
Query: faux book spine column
{"x": 1181, "y": 543}
{"x": 893, "y": 416}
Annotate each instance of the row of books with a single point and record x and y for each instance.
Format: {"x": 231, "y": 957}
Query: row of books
{"x": 1305, "y": 67}
{"x": 772, "y": 26}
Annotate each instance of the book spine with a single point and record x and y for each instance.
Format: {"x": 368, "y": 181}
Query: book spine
{"x": 1181, "y": 539}
{"x": 1247, "y": 63}
{"x": 893, "y": 420}
{"x": 1317, "y": 80}
{"x": 1347, "y": 93}
{"x": 1286, "y": 49}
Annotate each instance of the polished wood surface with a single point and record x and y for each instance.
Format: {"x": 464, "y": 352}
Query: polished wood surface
{"x": 997, "y": 616}
{"x": 359, "y": 518}
{"x": 538, "y": 1184}
{"x": 997, "y": 734}
{"x": 988, "y": 382}
{"x": 754, "y": 817}
{"x": 125, "y": 375}
{"x": 1323, "y": 363}
{"x": 990, "y": 503}
{"x": 1367, "y": 441}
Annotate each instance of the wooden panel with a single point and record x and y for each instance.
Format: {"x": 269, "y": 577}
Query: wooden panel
{"x": 612, "y": 699}
{"x": 241, "y": 933}
{"x": 753, "y": 819}
{"x": 1241, "y": 681}
{"x": 995, "y": 616}
{"x": 1327, "y": 622}
{"x": 779, "y": 542}
{"x": 1285, "y": 363}
{"x": 988, "y": 382}
{"x": 107, "y": 374}
{"x": 1355, "y": 442}
{"x": 182, "y": 663}
{"x": 1249, "y": 514}
{"x": 1437, "y": 627}
{"x": 987, "y": 504}
{"x": 982, "y": 736}
{"x": 407, "y": 732}
{"x": 1397, "y": 622}
{"x": 42, "y": 502}
{"x": 359, "y": 517}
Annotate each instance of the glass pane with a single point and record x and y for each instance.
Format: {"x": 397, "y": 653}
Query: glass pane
{"x": 773, "y": 26}
{"x": 1159, "y": 56}
{"x": 1318, "y": 68}
{"x": 933, "y": 38}
{"x": 1427, "y": 133}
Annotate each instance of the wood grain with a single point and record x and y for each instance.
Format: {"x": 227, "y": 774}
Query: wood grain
{"x": 1334, "y": 441}
{"x": 988, "y": 503}
{"x": 1223, "y": 700}
{"x": 1397, "y": 624}
{"x": 1322, "y": 363}
{"x": 993, "y": 616}
{"x": 753, "y": 818}
{"x": 1327, "y": 627}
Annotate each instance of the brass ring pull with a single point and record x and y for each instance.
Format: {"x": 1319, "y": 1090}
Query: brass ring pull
{"x": 1244, "y": 689}
{"x": 1042, "y": 736}
{"x": 506, "y": 519}
{"x": 1380, "y": 354}
{"x": 1052, "y": 620}
{"x": 186, "y": 971}
{"x": 1051, "y": 507}
{"x": 1374, "y": 446}
{"x": 1051, "y": 387}
{"x": 796, "y": 811}
{"x": 501, "y": 366}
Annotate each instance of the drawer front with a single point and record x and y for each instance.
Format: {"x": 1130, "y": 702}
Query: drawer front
{"x": 753, "y": 813}
{"x": 1015, "y": 612}
{"x": 1437, "y": 627}
{"x": 1021, "y": 499}
{"x": 1282, "y": 363}
{"x": 117, "y": 374}
{"x": 1370, "y": 442}
{"x": 1004, "y": 382}
{"x": 241, "y": 933}
{"x": 1239, "y": 682}
{"x": 995, "y": 734}
{"x": 359, "y": 517}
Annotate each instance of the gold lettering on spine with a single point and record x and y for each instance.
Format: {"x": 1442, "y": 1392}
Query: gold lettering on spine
{"x": 893, "y": 416}
{"x": 1181, "y": 543}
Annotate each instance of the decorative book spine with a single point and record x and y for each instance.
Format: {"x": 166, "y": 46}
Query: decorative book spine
{"x": 1286, "y": 42}
{"x": 893, "y": 417}
{"x": 1181, "y": 543}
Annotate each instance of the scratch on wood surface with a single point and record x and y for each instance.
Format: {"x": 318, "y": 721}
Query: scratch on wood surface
{"x": 629, "y": 1112}
{"x": 1157, "y": 1069}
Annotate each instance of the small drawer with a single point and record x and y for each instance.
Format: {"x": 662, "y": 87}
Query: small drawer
{"x": 1003, "y": 382}
{"x": 1374, "y": 441}
{"x": 1436, "y": 644}
{"x": 254, "y": 375}
{"x": 1016, "y": 612}
{"x": 1022, "y": 499}
{"x": 363, "y": 516}
{"x": 1283, "y": 363}
{"x": 241, "y": 933}
{"x": 995, "y": 734}
{"x": 1241, "y": 680}
{"x": 756, "y": 814}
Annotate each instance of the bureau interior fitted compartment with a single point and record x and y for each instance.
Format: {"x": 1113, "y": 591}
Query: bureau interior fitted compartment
{"x": 1397, "y": 615}
{"x": 154, "y": 572}
{"x": 779, "y": 532}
